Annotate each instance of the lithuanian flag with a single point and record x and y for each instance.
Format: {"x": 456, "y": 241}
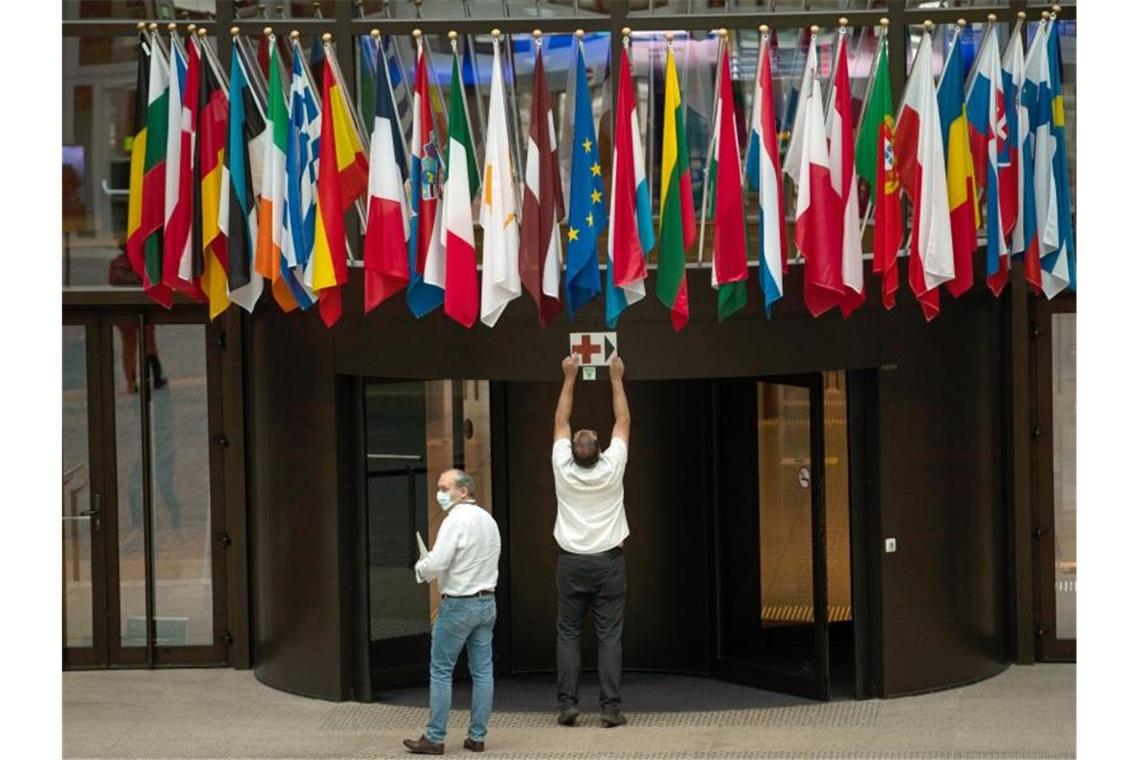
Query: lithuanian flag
{"x": 677, "y": 228}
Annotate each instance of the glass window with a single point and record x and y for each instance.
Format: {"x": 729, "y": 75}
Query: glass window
{"x": 1065, "y": 472}
{"x": 77, "y": 593}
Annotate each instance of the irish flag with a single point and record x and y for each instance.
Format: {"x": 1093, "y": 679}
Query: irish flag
{"x": 677, "y": 230}
{"x": 461, "y": 291}
{"x": 922, "y": 171}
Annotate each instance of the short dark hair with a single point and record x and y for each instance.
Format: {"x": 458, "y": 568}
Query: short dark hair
{"x": 585, "y": 448}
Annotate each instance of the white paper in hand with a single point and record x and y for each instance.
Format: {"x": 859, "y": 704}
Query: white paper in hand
{"x": 423, "y": 547}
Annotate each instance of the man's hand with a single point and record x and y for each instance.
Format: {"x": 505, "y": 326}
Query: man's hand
{"x": 617, "y": 368}
{"x": 570, "y": 367}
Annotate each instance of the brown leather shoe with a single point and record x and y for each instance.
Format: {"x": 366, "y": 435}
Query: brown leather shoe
{"x": 423, "y": 746}
{"x": 472, "y": 745}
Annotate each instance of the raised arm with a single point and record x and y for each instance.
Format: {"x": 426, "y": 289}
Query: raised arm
{"x": 621, "y": 406}
{"x": 566, "y": 399}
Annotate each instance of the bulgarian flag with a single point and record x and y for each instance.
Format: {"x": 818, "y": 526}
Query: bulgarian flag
{"x": 540, "y": 250}
{"x": 730, "y": 260}
{"x": 386, "y": 236}
{"x": 960, "y": 180}
{"x": 875, "y": 165}
{"x": 153, "y": 211}
{"x": 841, "y": 162}
{"x": 271, "y": 209}
{"x": 342, "y": 178}
{"x": 461, "y": 290}
{"x": 922, "y": 172}
{"x": 762, "y": 166}
{"x": 631, "y": 220}
{"x": 677, "y": 230}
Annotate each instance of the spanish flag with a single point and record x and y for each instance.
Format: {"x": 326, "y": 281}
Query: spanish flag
{"x": 342, "y": 178}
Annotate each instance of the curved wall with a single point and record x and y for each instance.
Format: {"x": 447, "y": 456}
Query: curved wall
{"x": 940, "y": 456}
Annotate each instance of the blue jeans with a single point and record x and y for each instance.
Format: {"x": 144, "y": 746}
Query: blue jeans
{"x": 462, "y": 622}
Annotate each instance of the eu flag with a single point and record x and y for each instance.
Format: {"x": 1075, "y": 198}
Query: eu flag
{"x": 587, "y": 205}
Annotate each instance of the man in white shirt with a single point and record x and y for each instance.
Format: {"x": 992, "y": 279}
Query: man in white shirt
{"x": 465, "y": 560}
{"x": 590, "y": 529}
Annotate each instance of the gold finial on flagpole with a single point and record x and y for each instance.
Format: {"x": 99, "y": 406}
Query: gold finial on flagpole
{"x": 1021, "y": 15}
{"x": 579, "y": 33}
{"x": 267, "y": 31}
{"x": 843, "y": 21}
{"x": 763, "y": 29}
{"x": 417, "y": 33}
{"x": 140, "y": 25}
{"x": 453, "y": 35}
{"x": 1045, "y": 15}
{"x": 326, "y": 37}
{"x": 723, "y": 32}
{"x": 171, "y": 26}
{"x": 495, "y": 33}
{"x": 626, "y": 31}
{"x": 537, "y": 34}
{"x": 294, "y": 35}
{"x": 884, "y": 22}
{"x": 1057, "y": 8}
{"x": 234, "y": 31}
{"x": 815, "y": 29}
{"x": 190, "y": 29}
{"x": 375, "y": 34}
{"x": 669, "y": 37}
{"x": 928, "y": 25}
{"x": 201, "y": 31}
{"x": 961, "y": 23}
{"x": 992, "y": 17}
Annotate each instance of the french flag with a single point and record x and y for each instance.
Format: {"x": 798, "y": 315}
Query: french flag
{"x": 387, "y": 231}
{"x": 989, "y": 143}
{"x": 922, "y": 172}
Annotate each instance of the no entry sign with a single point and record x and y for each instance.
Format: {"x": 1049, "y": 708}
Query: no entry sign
{"x": 593, "y": 349}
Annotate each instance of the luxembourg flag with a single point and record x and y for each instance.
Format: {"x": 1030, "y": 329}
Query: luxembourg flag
{"x": 762, "y": 167}
{"x": 1038, "y": 95}
{"x": 424, "y": 245}
{"x": 1024, "y": 241}
{"x": 989, "y": 144}
{"x": 841, "y": 163}
{"x": 922, "y": 171}
{"x": 631, "y": 219}
{"x": 387, "y": 230}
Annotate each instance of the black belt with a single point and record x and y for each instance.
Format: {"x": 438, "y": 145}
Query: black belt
{"x": 484, "y": 592}
{"x": 614, "y": 552}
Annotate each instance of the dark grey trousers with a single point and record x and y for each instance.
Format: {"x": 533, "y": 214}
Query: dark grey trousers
{"x": 588, "y": 581}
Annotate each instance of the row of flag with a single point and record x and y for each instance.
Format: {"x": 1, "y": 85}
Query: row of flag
{"x": 234, "y": 186}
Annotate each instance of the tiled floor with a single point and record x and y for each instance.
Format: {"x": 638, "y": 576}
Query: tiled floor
{"x": 1025, "y": 712}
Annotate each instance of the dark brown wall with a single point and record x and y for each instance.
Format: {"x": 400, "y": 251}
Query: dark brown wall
{"x": 940, "y": 461}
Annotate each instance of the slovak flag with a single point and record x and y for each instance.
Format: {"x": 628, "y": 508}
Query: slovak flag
{"x": 1024, "y": 241}
{"x": 922, "y": 171}
{"x": 990, "y": 144}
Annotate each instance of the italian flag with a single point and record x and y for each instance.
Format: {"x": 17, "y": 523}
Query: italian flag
{"x": 461, "y": 288}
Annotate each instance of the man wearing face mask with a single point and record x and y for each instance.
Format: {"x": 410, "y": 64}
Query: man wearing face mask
{"x": 465, "y": 560}
{"x": 590, "y": 528}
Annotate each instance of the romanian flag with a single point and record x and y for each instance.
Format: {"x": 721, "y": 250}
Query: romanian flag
{"x": 210, "y": 258}
{"x": 960, "y": 182}
{"x": 677, "y": 230}
{"x": 135, "y": 235}
{"x": 153, "y": 212}
{"x": 342, "y": 178}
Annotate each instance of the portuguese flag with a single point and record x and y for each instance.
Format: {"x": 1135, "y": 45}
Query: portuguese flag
{"x": 677, "y": 230}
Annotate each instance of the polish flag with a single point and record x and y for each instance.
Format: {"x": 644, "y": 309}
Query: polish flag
{"x": 922, "y": 171}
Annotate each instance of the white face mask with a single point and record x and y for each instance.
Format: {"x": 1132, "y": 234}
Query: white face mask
{"x": 443, "y": 498}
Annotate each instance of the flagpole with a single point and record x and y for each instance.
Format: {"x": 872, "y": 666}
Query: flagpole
{"x": 235, "y": 33}
{"x": 515, "y": 147}
{"x": 211, "y": 57}
{"x": 469, "y": 46}
{"x": 330, "y": 56}
{"x": 884, "y": 23}
{"x": 708, "y": 152}
{"x": 453, "y": 36}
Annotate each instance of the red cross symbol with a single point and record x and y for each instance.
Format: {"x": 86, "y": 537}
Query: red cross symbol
{"x": 586, "y": 349}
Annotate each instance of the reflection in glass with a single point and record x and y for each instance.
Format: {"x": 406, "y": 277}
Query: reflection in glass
{"x": 128, "y": 471}
{"x": 180, "y": 448}
{"x": 837, "y": 504}
{"x": 1065, "y": 472}
{"x": 77, "y": 596}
